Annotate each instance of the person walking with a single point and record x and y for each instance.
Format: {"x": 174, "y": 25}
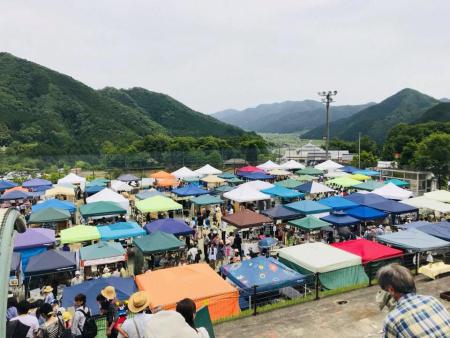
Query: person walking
{"x": 31, "y": 321}
{"x": 52, "y": 327}
{"x": 135, "y": 327}
{"x": 415, "y": 315}
{"x": 80, "y": 315}
{"x": 110, "y": 309}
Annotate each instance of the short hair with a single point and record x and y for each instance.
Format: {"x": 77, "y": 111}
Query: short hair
{"x": 397, "y": 277}
{"x": 80, "y": 298}
{"x": 186, "y": 307}
{"x": 23, "y": 307}
{"x": 46, "y": 310}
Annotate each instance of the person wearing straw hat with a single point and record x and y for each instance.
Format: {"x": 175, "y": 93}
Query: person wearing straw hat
{"x": 48, "y": 294}
{"x": 106, "y": 272}
{"x": 138, "y": 304}
{"x": 109, "y": 293}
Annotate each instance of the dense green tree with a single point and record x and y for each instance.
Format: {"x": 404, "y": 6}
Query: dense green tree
{"x": 368, "y": 159}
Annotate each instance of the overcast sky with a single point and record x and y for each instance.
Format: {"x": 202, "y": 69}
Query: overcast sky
{"x": 213, "y": 55}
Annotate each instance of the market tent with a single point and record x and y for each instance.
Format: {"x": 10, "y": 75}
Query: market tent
{"x": 412, "y": 225}
{"x": 4, "y": 185}
{"x": 282, "y": 192}
{"x": 157, "y": 204}
{"x": 120, "y": 230}
{"x": 349, "y": 169}
{"x": 162, "y": 175}
{"x": 343, "y": 181}
{"x": 309, "y": 223}
{"x": 190, "y": 190}
{"x": 314, "y": 188}
{"x": 245, "y": 194}
{"x": 60, "y": 190}
{"x": 440, "y": 230}
{"x": 291, "y": 165}
{"x": 439, "y": 195}
{"x": 414, "y": 240}
{"x": 183, "y": 173}
{"x": 206, "y": 200}
{"x": 157, "y": 242}
{"x": 269, "y": 165}
{"x": 397, "y": 182}
{"x": 289, "y": 183}
{"x": 128, "y": 178}
{"x": 55, "y": 203}
{"x": 73, "y": 179}
{"x": 246, "y": 219}
{"x": 369, "y": 185}
{"x": 359, "y": 177}
{"x": 124, "y": 287}
{"x": 146, "y": 182}
{"x": 366, "y": 172}
{"x": 234, "y": 180}
{"x": 265, "y": 273}
{"x": 15, "y": 195}
{"x": 366, "y": 213}
{"x": 207, "y": 170}
{"x": 213, "y": 179}
{"x": 256, "y": 176}
{"x": 365, "y": 199}
{"x": 79, "y": 233}
{"x": 337, "y": 173}
{"x": 172, "y": 226}
{"x": 142, "y": 195}
{"x": 391, "y": 191}
{"x": 369, "y": 251}
{"x": 340, "y": 218}
{"x": 15, "y": 263}
{"x": 36, "y": 183}
{"x": 198, "y": 282}
{"x": 394, "y": 207}
{"x": 305, "y": 178}
{"x": 34, "y": 237}
{"x": 102, "y": 253}
{"x": 338, "y": 203}
{"x": 93, "y": 189}
{"x": 310, "y": 171}
{"x": 107, "y": 195}
{"x": 117, "y": 185}
{"x": 100, "y": 181}
{"x": 308, "y": 207}
{"x": 49, "y": 215}
{"x": 427, "y": 203}
{"x": 280, "y": 212}
{"x": 50, "y": 262}
{"x": 257, "y": 185}
{"x": 337, "y": 268}
{"x": 96, "y": 209}
{"x": 328, "y": 165}
{"x": 223, "y": 188}
{"x": 249, "y": 169}
{"x": 227, "y": 176}
{"x": 280, "y": 172}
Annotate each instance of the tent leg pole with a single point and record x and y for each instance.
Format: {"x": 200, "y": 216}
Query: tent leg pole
{"x": 317, "y": 286}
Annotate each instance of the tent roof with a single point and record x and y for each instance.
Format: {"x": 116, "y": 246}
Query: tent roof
{"x": 280, "y": 172}
{"x": 391, "y": 191}
{"x": 245, "y": 194}
{"x": 359, "y": 177}
{"x": 15, "y": 262}
{"x": 394, "y": 207}
{"x": 369, "y": 185}
{"x": 190, "y": 190}
{"x": 60, "y": 190}
{"x": 34, "y": 237}
{"x": 343, "y": 181}
{"x": 349, "y": 169}
{"x": 340, "y": 219}
{"x": 14, "y": 195}
{"x": 365, "y": 213}
{"x": 107, "y": 195}
{"x": 265, "y": 273}
{"x": 79, "y": 233}
{"x": 101, "y": 208}
{"x": 256, "y": 176}
{"x": 291, "y": 165}
{"x": 51, "y": 261}
{"x": 412, "y": 225}
{"x": 117, "y": 185}
{"x": 93, "y": 189}
{"x": 234, "y": 180}
{"x": 49, "y": 215}
{"x": 440, "y": 230}
{"x": 314, "y": 188}
{"x": 120, "y": 230}
{"x": 319, "y": 257}
{"x": 206, "y": 200}
{"x": 99, "y": 181}
{"x": 162, "y": 175}
{"x": 413, "y": 240}
{"x": 281, "y": 212}
{"x": 208, "y": 170}
{"x": 328, "y": 165}
{"x": 172, "y": 226}
{"x": 257, "y": 185}
{"x": 289, "y": 183}
{"x": 184, "y": 172}
{"x": 128, "y": 178}
{"x": 368, "y": 250}
{"x": 439, "y": 195}
{"x": 308, "y": 207}
{"x": 36, "y": 182}
{"x": 249, "y": 169}
{"x": 338, "y": 203}
{"x": 72, "y": 179}
{"x": 212, "y": 179}
{"x": 282, "y": 192}
{"x": 4, "y": 184}
{"x": 268, "y": 165}
{"x": 101, "y": 250}
{"x": 365, "y": 199}
{"x": 367, "y": 172}
{"x": 158, "y": 242}
{"x": 227, "y": 176}
{"x": 55, "y": 203}
{"x": 397, "y": 182}
{"x": 142, "y": 195}
{"x": 157, "y": 204}
{"x": 427, "y": 203}
{"x": 337, "y": 173}
{"x": 305, "y": 178}
{"x": 166, "y": 182}
{"x": 309, "y": 171}
{"x": 246, "y": 219}
{"x": 309, "y": 223}
{"x": 224, "y": 188}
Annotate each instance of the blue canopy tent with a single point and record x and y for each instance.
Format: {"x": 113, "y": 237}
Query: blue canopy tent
{"x": 227, "y": 176}
{"x": 440, "y": 230}
{"x": 55, "y": 203}
{"x": 15, "y": 263}
{"x": 414, "y": 240}
{"x": 338, "y": 203}
{"x": 14, "y": 195}
{"x": 255, "y": 176}
{"x": 308, "y": 207}
{"x": 340, "y": 219}
{"x": 267, "y": 242}
{"x": 366, "y": 172}
{"x": 148, "y": 193}
{"x": 128, "y": 178}
{"x": 120, "y": 230}
{"x": 394, "y": 207}
{"x": 412, "y": 225}
{"x": 93, "y": 189}
{"x": 37, "y": 183}
{"x": 366, "y": 213}
{"x": 349, "y": 169}
{"x": 365, "y": 199}
{"x": 50, "y": 262}
{"x": 169, "y": 225}
{"x": 4, "y": 185}
{"x": 33, "y": 242}
{"x": 190, "y": 190}
{"x": 397, "y": 182}
{"x": 282, "y": 192}
{"x": 124, "y": 287}
{"x": 280, "y": 212}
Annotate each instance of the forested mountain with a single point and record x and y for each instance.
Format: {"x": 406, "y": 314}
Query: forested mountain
{"x": 439, "y": 112}
{"x": 376, "y": 121}
{"x": 286, "y": 117}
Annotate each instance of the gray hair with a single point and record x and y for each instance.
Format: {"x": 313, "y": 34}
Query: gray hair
{"x": 397, "y": 277}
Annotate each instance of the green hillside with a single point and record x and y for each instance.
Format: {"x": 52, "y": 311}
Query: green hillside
{"x": 439, "y": 112}
{"x": 376, "y": 121}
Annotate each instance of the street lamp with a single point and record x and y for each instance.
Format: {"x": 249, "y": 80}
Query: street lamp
{"x": 327, "y": 98}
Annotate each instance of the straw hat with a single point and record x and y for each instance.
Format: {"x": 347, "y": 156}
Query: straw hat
{"x": 109, "y": 292}
{"x": 48, "y": 288}
{"x": 138, "y": 301}
{"x": 77, "y": 273}
{"x": 66, "y": 316}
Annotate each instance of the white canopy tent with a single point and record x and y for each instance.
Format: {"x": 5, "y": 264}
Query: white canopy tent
{"x": 328, "y": 165}
{"x": 392, "y": 192}
{"x": 269, "y": 165}
{"x": 120, "y": 186}
{"x": 73, "y": 179}
{"x": 107, "y": 195}
{"x": 245, "y": 194}
{"x": 334, "y": 174}
{"x": 427, "y": 203}
{"x": 319, "y": 188}
{"x": 256, "y": 185}
{"x": 291, "y": 165}
{"x": 439, "y": 195}
{"x": 184, "y": 172}
{"x": 147, "y": 182}
{"x": 207, "y": 170}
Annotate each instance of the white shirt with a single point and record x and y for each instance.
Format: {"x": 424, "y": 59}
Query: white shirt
{"x": 78, "y": 320}
{"x": 30, "y": 321}
{"x": 76, "y": 281}
{"x": 141, "y": 320}
{"x": 192, "y": 252}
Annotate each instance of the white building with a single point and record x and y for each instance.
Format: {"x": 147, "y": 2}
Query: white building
{"x": 310, "y": 153}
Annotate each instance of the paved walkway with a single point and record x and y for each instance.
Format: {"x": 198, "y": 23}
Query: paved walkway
{"x": 359, "y": 317}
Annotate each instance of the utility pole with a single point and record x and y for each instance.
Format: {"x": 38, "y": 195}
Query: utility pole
{"x": 327, "y": 98}
{"x": 359, "y": 150}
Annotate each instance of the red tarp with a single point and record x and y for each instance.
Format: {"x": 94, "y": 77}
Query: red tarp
{"x": 368, "y": 251}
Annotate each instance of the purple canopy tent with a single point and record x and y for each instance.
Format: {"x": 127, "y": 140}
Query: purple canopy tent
{"x": 34, "y": 237}
{"x": 170, "y": 226}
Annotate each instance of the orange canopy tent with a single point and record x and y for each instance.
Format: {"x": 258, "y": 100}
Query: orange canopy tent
{"x": 199, "y": 282}
{"x": 162, "y": 175}
{"x": 166, "y": 183}
{"x": 17, "y": 188}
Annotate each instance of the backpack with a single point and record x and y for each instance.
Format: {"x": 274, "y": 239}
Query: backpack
{"x": 90, "y": 326}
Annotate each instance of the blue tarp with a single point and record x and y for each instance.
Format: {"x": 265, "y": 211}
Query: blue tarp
{"x": 169, "y": 225}
{"x": 412, "y": 225}
{"x": 366, "y": 172}
{"x": 349, "y": 169}
{"x": 282, "y": 192}
{"x": 308, "y": 207}
{"x": 120, "y": 230}
{"x": 366, "y": 213}
{"x": 55, "y": 203}
{"x": 4, "y": 184}
{"x": 28, "y": 253}
{"x": 365, "y": 199}
{"x": 93, "y": 189}
{"x": 414, "y": 240}
{"x": 14, "y": 195}
{"x": 338, "y": 203}
{"x": 394, "y": 207}
{"x": 255, "y": 176}
{"x": 440, "y": 230}
{"x": 124, "y": 287}
{"x": 190, "y": 190}
{"x": 340, "y": 219}
{"x": 37, "y": 182}
{"x": 51, "y": 261}
{"x": 281, "y": 212}
{"x": 15, "y": 263}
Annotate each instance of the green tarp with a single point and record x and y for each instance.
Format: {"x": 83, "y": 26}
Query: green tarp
{"x": 309, "y": 223}
{"x": 206, "y": 200}
{"x": 157, "y": 204}
{"x": 101, "y": 208}
{"x": 79, "y": 233}
{"x": 101, "y": 250}
{"x": 49, "y": 215}
{"x": 157, "y": 242}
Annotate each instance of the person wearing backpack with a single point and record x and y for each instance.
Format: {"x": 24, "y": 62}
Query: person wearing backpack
{"x": 83, "y": 325}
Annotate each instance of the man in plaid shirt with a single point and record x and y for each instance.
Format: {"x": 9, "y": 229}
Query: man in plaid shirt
{"x": 415, "y": 315}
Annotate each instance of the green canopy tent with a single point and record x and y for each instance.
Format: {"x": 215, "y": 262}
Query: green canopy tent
{"x": 191, "y": 179}
{"x": 369, "y": 185}
{"x": 157, "y": 204}
{"x": 102, "y": 253}
{"x": 79, "y": 233}
{"x": 102, "y": 208}
{"x": 309, "y": 223}
{"x": 234, "y": 180}
{"x": 223, "y": 189}
{"x": 289, "y": 183}
{"x": 306, "y": 178}
{"x": 206, "y": 200}
{"x": 343, "y": 181}
{"x": 49, "y": 215}
{"x": 397, "y": 182}
{"x": 310, "y": 171}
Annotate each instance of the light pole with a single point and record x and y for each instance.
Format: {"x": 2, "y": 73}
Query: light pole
{"x": 327, "y": 98}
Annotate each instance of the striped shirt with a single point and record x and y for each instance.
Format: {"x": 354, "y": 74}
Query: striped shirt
{"x": 417, "y": 316}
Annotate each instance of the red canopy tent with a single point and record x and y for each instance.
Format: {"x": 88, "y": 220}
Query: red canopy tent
{"x": 368, "y": 251}
{"x": 250, "y": 169}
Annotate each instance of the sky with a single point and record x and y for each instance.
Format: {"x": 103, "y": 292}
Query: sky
{"x": 219, "y": 54}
